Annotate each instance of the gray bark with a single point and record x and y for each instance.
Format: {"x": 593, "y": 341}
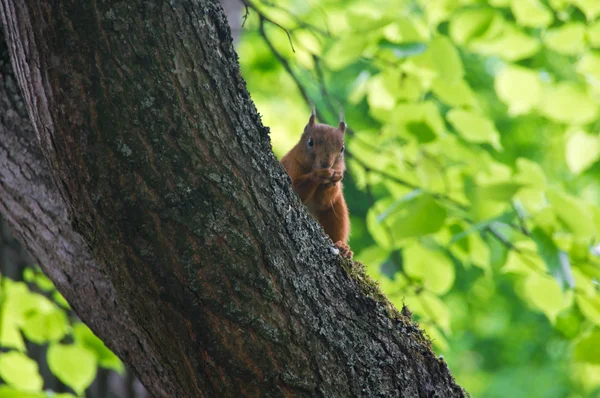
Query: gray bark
{"x": 150, "y": 195}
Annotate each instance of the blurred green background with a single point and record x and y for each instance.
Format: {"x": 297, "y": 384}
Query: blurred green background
{"x": 473, "y": 180}
{"x": 473, "y": 167}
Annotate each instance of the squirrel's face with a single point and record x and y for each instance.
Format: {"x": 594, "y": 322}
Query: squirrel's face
{"x": 324, "y": 145}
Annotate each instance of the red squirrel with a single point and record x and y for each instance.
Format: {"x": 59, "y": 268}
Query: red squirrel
{"x": 316, "y": 167}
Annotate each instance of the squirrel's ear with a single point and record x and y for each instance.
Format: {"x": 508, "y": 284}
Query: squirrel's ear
{"x": 342, "y": 127}
{"x": 311, "y": 121}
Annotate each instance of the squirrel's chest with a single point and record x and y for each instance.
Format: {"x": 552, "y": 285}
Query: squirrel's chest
{"x": 312, "y": 207}
{"x": 320, "y": 201}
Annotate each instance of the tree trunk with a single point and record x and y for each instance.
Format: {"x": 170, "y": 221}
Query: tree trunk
{"x": 161, "y": 214}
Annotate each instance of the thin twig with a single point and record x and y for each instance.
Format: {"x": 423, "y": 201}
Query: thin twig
{"x": 263, "y": 18}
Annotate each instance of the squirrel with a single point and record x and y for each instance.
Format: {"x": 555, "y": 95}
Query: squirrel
{"x": 316, "y": 166}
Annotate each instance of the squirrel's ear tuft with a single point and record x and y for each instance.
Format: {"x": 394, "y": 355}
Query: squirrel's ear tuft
{"x": 342, "y": 127}
{"x": 313, "y": 118}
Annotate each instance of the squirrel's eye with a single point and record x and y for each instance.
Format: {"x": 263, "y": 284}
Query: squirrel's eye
{"x": 342, "y": 150}
{"x": 310, "y": 142}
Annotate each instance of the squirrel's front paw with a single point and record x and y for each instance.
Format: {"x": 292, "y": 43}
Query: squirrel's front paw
{"x": 337, "y": 176}
{"x": 324, "y": 175}
{"x": 344, "y": 249}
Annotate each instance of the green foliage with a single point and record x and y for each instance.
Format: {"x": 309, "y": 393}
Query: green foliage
{"x": 36, "y": 313}
{"x": 473, "y": 167}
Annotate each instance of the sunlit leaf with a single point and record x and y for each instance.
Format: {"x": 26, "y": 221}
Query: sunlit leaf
{"x": 587, "y": 349}
{"x": 346, "y": 51}
{"x": 74, "y": 365}
{"x": 591, "y": 8}
{"x": 470, "y": 23}
{"x": 437, "y": 310}
{"x": 530, "y": 173}
{"x": 10, "y": 392}
{"x": 19, "y": 371}
{"x": 60, "y": 300}
{"x": 438, "y": 11}
{"x": 520, "y": 88}
{"x": 379, "y": 94}
{"x": 511, "y": 45}
{"x": 372, "y": 256}
{"x": 42, "y": 327}
{"x": 85, "y": 338}
{"x": 556, "y": 260}
{"x": 454, "y": 93}
{"x": 531, "y": 13}
{"x": 447, "y": 59}
{"x": 437, "y": 337}
{"x": 474, "y": 127}
{"x": 417, "y": 216}
{"x": 589, "y": 306}
{"x": 589, "y": 67}
{"x": 582, "y": 151}
{"x": 593, "y": 34}
{"x": 572, "y": 214}
{"x": 568, "y": 103}
{"x": 568, "y": 39}
{"x": 432, "y": 268}
{"x": 546, "y": 295}
{"x": 479, "y": 253}
{"x": 359, "y": 87}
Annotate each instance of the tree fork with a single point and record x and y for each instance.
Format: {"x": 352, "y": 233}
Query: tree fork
{"x": 168, "y": 224}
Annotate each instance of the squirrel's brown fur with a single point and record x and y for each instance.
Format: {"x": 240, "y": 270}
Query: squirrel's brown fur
{"x": 316, "y": 167}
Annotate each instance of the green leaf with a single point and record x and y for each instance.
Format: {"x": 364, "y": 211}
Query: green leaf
{"x": 511, "y": 45}
{"x": 86, "y": 338}
{"x": 407, "y": 116}
{"x": 60, "y": 300}
{"x": 474, "y": 127}
{"x": 372, "y": 256}
{"x": 530, "y": 173}
{"x": 568, "y": 103}
{"x": 589, "y": 67}
{"x": 572, "y": 214}
{"x": 489, "y": 200}
{"x": 436, "y": 310}
{"x": 433, "y": 268}
{"x": 568, "y": 39}
{"x": 454, "y": 93}
{"x": 378, "y": 228}
{"x": 582, "y": 151}
{"x": 28, "y": 275}
{"x": 587, "y": 349}
{"x": 74, "y": 365}
{"x": 446, "y": 59}
{"x": 379, "y": 94}
{"x": 556, "y": 260}
{"x": 20, "y": 371}
{"x": 531, "y": 13}
{"x": 10, "y": 392}
{"x": 522, "y": 262}
{"x": 545, "y": 294}
{"x": 415, "y": 217}
{"x": 589, "y": 307}
{"x": 404, "y": 50}
{"x": 519, "y": 88}
{"x": 591, "y": 8}
{"x": 43, "y": 282}
{"x": 421, "y": 131}
{"x": 346, "y": 51}
{"x": 593, "y": 34}
{"x": 42, "y": 327}
{"x": 470, "y": 23}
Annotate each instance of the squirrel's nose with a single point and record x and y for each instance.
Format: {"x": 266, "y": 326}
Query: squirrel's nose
{"x": 326, "y": 165}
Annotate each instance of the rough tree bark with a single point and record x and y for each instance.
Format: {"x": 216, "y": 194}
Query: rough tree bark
{"x": 166, "y": 221}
